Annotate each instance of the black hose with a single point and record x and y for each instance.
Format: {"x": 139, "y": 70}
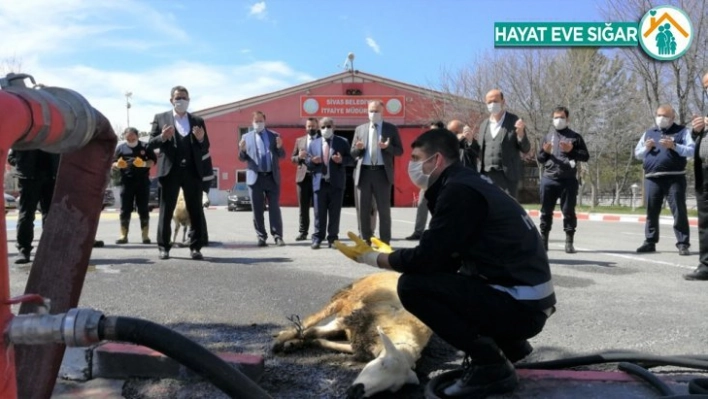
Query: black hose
{"x": 185, "y": 351}
{"x": 697, "y": 388}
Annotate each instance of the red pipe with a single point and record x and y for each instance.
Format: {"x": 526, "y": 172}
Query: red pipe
{"x": 12, "y": 129}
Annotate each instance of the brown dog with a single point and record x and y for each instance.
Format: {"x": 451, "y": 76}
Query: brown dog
{"x": 369, "y": 315}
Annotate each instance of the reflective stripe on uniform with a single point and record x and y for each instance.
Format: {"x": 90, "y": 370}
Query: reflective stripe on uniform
{"x": 526, "y": 292}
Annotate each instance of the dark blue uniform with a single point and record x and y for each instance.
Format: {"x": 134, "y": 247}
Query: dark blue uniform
{"x": 560, "y": 181}
{"x": 135, "y": 187}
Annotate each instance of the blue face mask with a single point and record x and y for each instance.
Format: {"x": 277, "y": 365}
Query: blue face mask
{"x": 415, "y": 173}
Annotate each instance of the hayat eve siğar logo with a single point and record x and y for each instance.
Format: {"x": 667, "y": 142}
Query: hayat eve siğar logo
{"x": 666, "y": 33}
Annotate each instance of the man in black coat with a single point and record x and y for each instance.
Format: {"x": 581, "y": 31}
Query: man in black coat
{"x": 35, "y": 171}
{"x": 182, "y": 140}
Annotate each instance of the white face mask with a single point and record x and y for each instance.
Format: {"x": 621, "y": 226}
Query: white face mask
{"x": 327, "y": 132}
{"x": 258, "y": 126}
{"x": 375, "y": 117}
{"x": 133, "y": 144}
{"x": 181, "y": 106}
{"x": 415, "y": 173}
{"x": 663, "y": 122}
{"x": 559, "y": 123}
{"x": 494, "y": 108}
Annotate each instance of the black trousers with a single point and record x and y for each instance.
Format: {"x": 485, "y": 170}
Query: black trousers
{"x": 187, "y": 179}
{"x": 673, "y": 188}
{"x": 460, "y": 309}
{"x": 304, "y": 200}
{"x": 551, "y": 191}
{"x": 328, "y": 202}
{"x": 32, "y": 192}
{"x": 702, "y": 202}
{"x": 134, "y": 191}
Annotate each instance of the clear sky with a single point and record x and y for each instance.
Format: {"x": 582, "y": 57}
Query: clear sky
{"x": 227, "y": 50}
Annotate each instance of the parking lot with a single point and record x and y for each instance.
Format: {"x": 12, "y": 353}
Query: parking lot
{"x": 609, "y": 297}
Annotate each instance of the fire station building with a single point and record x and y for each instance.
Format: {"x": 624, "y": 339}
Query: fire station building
{"x": 344, "y": 98}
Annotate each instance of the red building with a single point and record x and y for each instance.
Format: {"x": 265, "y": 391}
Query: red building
{"x": 344, "y": 98}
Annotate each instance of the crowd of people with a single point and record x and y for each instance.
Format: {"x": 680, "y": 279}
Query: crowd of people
{"x": 462, "y": 280}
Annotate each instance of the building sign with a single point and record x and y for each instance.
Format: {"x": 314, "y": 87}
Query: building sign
{"x": 349, "y": 106}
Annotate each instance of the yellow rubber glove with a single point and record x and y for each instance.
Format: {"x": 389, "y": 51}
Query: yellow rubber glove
{"x": 139, "y": 163}
{"x": 121, "y": 163}
{"x": 381, "y": 246}
{"x": 360, "y": 252}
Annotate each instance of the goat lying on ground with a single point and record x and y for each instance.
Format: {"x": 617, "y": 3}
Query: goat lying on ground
{"x": 369, "y": 315}
{"x": 181, "y": 218}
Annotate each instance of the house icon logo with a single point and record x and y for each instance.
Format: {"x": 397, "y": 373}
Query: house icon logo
{"x": 665, "y": 33}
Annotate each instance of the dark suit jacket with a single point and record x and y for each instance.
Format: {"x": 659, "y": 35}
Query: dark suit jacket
{"x": 394, "y": 149}
{"x": 698, "y": 162}
{"x": 301, "y": 172}
{"x": 28, "y": 164}
{"x": 251, "y": 154}
{"x": 168, "y": 149}
{"x": 511, "y": 161}
{"x": 337, "y": 171}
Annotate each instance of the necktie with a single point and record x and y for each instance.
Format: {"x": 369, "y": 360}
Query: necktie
{"x": 325, "y": 157}
{"x": 263, "y": 154}
{"x": 373, "y": 144}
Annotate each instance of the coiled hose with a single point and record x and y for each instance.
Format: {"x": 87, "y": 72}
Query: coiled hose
{"x": 635, "y": 364}
{"x": 185, "y": 351}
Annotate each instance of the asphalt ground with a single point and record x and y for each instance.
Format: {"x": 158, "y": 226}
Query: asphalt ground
{"x": 609, "y": 299}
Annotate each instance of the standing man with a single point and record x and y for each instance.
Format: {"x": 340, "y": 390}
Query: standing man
{"x": 561, "y": 150}
{"x": 462, "y": 280}
{"x": 502, "y": 136}
{"x": 35, "y": 171}
{"x": 303, "y": 177}
{"x": 182, "y": 140}
{"x": 700, "y": 166}
{"x": 375, "y": 144}
{"x": 133, "y": 159}
{"x": 664, "y": 149}
{"x": 328, "y": 157}
{"x": 262, "y": 149}
{"x": 469, "y": 149}
{"x": 421, "y": 214}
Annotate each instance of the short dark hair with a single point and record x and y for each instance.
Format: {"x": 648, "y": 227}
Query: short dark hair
{"x": 308, "y": 120}
{"x": 130, "y": 130}
{"x": 437, "y": 125}
{"x": 562, "y": 109}
{"x": 179, "y": 88}
{"x": 258, "y": 113}
{"x": 439, "y": 140}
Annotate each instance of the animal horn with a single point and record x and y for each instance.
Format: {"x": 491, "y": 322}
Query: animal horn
{"x": 388, "y": 345}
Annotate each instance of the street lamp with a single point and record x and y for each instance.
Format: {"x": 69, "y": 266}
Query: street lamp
{"x": 128, "y": 96}
{"x": 635, "y": 188}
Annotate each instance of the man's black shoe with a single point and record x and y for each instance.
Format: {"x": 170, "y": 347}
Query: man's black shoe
{"x": 315, "y": 245}
{"x": 22, "y": 258}
{"x": 646, "y": 248}
{"x": 98, "y": 244}
{"x": 414, "y": 237}
{"x": 480, "y": 380}
{"x": 683, "y": 250}
{"x": 196, "y": 255}
{"x": 279, "y": 242}
{"x": 515, "y": 350}
{"x": 262, "y": 243}
{"x": 700, "y": 274}
{"x": 164, "y": 254}
{"x": 301, "y": 237}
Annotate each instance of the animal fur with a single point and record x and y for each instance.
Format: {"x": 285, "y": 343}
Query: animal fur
{"x": 369, "y": 315}
{"x": 181, "y": 218}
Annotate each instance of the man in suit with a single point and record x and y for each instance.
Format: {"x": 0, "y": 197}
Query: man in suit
{"x": 327, "y": 158}
{"x": 262, "y": 149}
{"x": 182, "y": 140}
{"x": 303, "y": 177}
{"x": 375, "y": 144}
{"x": 699, "y": 125}
{"x": 501, "y": 138}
